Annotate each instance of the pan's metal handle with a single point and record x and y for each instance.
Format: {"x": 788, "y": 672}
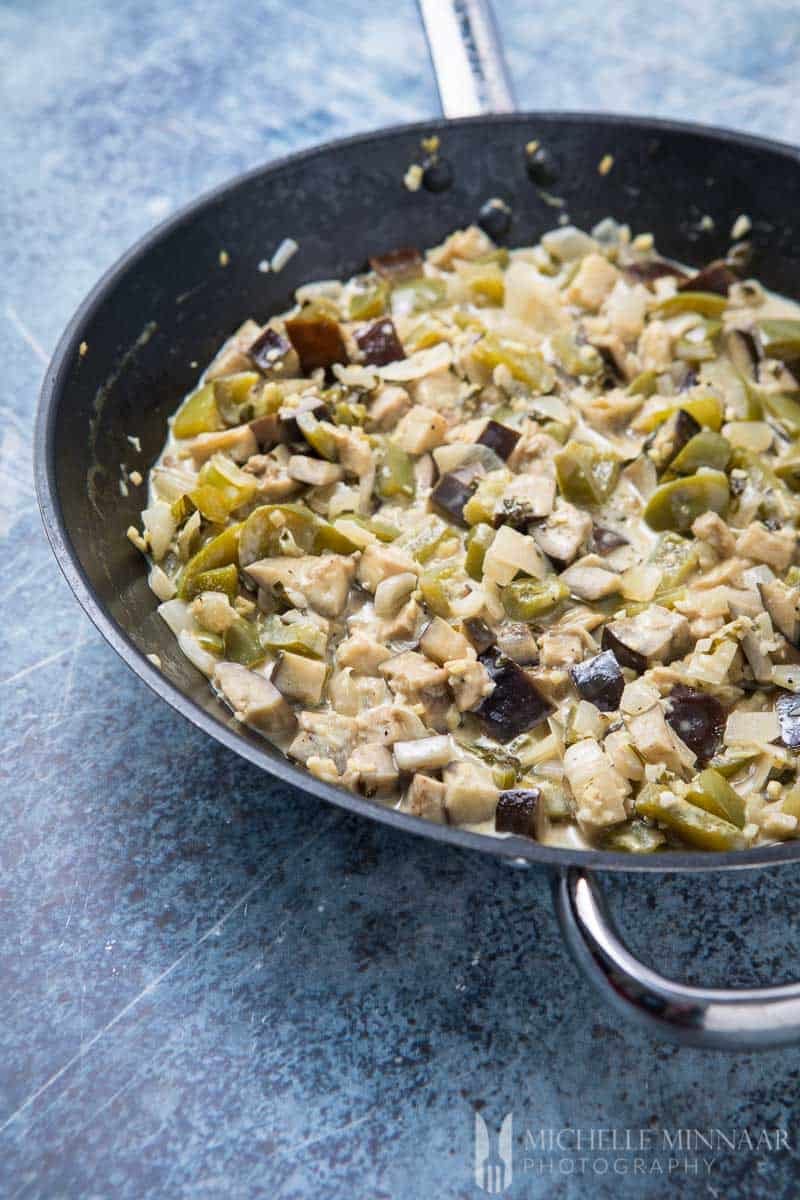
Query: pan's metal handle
{"x": 467, "y": 55}
{"x": 743, "y": 1019}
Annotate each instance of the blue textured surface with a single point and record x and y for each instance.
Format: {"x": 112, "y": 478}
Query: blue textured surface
{"x": 213, "y": 987}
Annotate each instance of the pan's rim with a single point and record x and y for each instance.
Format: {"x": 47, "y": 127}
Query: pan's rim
{"x": 516, "y": 850}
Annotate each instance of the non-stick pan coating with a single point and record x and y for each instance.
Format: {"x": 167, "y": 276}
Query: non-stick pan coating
{"x": 168, "y": 304}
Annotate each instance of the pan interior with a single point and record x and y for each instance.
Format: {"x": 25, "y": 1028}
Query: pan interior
{"x": 163, "y": 311}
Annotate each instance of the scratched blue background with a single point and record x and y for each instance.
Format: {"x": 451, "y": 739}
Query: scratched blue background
{"x": 211, "y": 986}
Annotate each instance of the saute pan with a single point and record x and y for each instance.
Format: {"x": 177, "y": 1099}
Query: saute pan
{"x": 134, "y": 345}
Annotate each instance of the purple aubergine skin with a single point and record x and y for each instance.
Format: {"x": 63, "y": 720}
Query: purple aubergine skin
{"x": 167, "y": 305}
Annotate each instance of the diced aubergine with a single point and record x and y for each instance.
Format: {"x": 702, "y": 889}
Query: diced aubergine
{"x": 611, "y": 369}
{"x": 290, "y": 430}
{"x": 379, "y": 343}
{"x": 269, "y": 431}
{"x": 654, "y": 268}
{"x": 317, "y": 340}
{"x": 515, "y": 705}
{"x": 500, "y": 438}
{"x": 783, "y": 605}
{"x": 479, "y": 634}
{"x": 698, "y": 719}
{"x": 274, "y": 354}
{"x": 716, "y": 277}
{"x": 451, "y": 494}
{"x": 655, "y": 635}
{"x": 743, "y": 351}
{"x": 671, "y": 437}
{"x": 787, "y": 708}
{"x": 403, "y": 263}
{"x": 604, "y": 540}
{"x": 516, "y": 811}
{"x": 600, "y": 681}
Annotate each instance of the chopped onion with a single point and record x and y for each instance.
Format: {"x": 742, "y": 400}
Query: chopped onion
{"x": 749, "y": 435}
{"x": 177, "y": 616}
{"x": 461, "y": 454}
{"x": 355, "y": 375}
{"x": 195, "y": 653}
{"x": 170, "y": 484}
{"x": 423, "y": 753}
{"x": 160, "y": 526}
{"x": 356, "y": 533}
{"x": 160, "y": 583}
{"x": 568, "y": 243}
{"x": 640, "y": 583}
{"x": 752, "y": 728}
{"x": 587, "y": 721}
{"x": 510, "y": 553}
{"x": 285, "y": 251}
{"x": 418, "y": 365}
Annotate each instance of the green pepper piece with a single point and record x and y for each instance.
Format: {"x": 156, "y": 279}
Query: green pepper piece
{"x": 485, "y": 281}
{"x": 784, "y": 409}
{"x": 705, "y": 449}
{"x": 418, "y": 295}
{"x": 727, "y": 764}
{"x": 694, "y": 825}
{"x": 677, "y": 558}
{"x": 242, "y": 643}
{"x": 439, "y": 586}
{"x": 558, "y": 431}
{"x": 788, "y": 471}
{"x": 220, "y": 551}
{"x": 791, "y": 802}
{"x": 528, "y": 599}
{"x": 182, "y": 509}
{"x": 645, "y": 384}
{"x": 383, "y": 529}
{"x": 780, "y": 338}
{"x": 422, "y": 544}
{"x": 524, "y": 363}
{"x": 479, "y": 539}
{"x": 235, "y": 398}
{"x": 498, "y": 757}
{"x": 504, "y": 776}
{"x": 428, "y": 331}
{"x": 705, "y": 407}
{"x": 776, "y": 500}
{"x": 484, "y": 500}
{"x": 585, "y": 476}
{"x": 711, "y": 791}
{"x": 198, "y": 414}
{"x": 395, "y": 473}
{"x": 297, "y": 637}
{"x": 678, "y": 504}
{"x": 219, "y": 579}
{"x": 348, "y": 412}
{"x": 708, "y": 304}
{"x": 634, "y": 837}
{"x": 272, "y": 527}
{"x": 368, "y": 299}
{"x": 499, "y": 255}
{"x": 223, "y": 487}
{"x": 328, "y": 537}
{"x": 210, "y": 642}
{"x": 694, "y": 352}
{"x": 318, "y": 435}
{"x": 574, "y": 358}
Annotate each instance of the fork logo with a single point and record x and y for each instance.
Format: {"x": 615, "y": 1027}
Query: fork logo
{"x": 493, "y": 1169}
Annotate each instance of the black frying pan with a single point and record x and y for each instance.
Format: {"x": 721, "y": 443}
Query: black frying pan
{"x": 168, "y": 303}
